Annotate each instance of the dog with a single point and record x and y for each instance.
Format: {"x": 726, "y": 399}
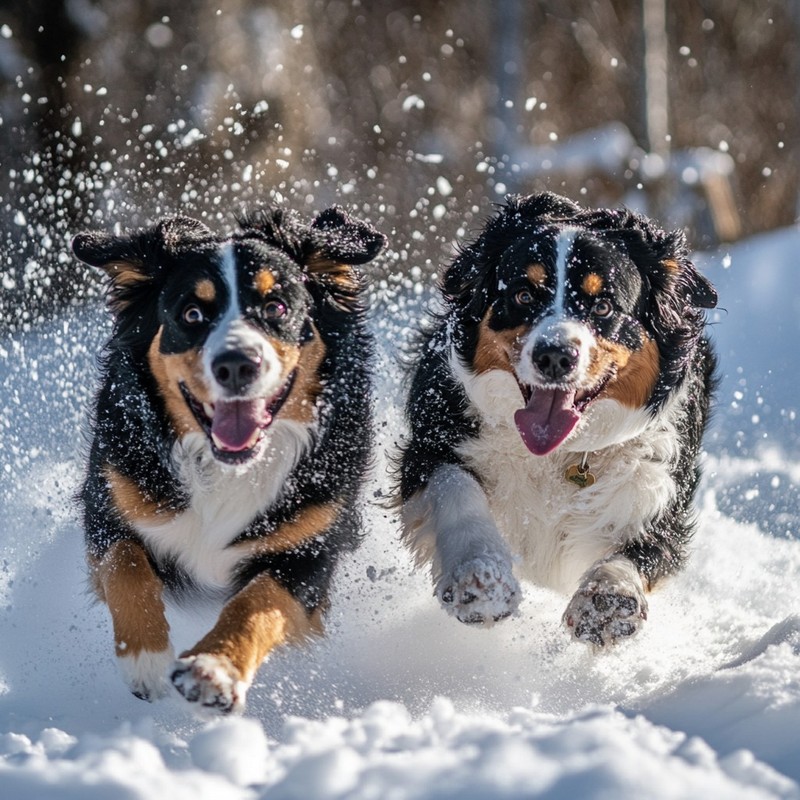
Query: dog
{"x": 231, "y": 433}
{"x": 555, "y": 413}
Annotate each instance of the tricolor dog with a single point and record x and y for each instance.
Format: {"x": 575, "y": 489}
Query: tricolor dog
{"x": 556, "y": 413}
{"x": 230, "y": 437}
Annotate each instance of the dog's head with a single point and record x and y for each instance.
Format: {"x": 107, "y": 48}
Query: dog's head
{"x": 581, "y": 306}
{"x": 228, "y": 327}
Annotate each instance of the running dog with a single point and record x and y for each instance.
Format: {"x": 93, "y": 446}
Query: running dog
{"x": 231, "y": 433}
{"x": 556, "y": 413}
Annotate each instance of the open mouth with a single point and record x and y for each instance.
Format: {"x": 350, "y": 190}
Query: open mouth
{"x": 551, "y": 414}
{"x": 236, "y": 427}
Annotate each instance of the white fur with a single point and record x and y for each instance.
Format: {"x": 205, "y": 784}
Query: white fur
{"x": 231, "y": 332}
{"x": 450, "y": 521}
{"x": 146, "y": 672}
{"x": 564, "y": 242}
{"x": 556, "y": 529}
{"x": 558, "y": 332}
{"x": 450, "y": 524}
{"x": 224, "y": 500}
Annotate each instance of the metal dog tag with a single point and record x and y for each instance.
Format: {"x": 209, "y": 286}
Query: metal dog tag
{"x": 579, "y": 475}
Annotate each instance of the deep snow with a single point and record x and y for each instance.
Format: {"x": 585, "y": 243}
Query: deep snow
{"x": 401, "y": 701}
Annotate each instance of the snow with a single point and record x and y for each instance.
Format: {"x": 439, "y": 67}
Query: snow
{"x": 400, "y": 700}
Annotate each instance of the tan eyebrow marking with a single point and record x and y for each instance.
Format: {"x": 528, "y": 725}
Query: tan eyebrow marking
{"x": 537, "y": 274}
{"x": 205, "y": 291}
{"x": 592, "y": 284}
{"x": 264, "y": 281}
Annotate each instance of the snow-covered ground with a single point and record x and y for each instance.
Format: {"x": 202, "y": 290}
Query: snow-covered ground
{"x": 401, "y": 701}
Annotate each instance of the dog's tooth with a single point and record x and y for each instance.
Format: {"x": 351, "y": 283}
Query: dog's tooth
{"x": 208, "y": 410}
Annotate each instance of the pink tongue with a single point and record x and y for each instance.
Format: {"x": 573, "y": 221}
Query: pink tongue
{"x": 547, "y": 420}
{"x": 236, "y": 423}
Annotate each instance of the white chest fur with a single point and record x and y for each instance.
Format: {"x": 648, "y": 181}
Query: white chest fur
{"x": 224, "y": 500}
{"x": 556, "y": 528}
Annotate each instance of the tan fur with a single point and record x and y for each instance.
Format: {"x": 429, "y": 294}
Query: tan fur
{"x": 308, "y": 523}
{"x": 537, "y": 274}
{"x": 205, "y": 291}
{"x": 496, "y": 349}
{"x": 125, "y": 581}
{"x": 264, "y": 281}
{"x": 132, "y": 503}
{"x": 299, "y": 405}
{"x": 636, "y": 379}
{"x": 169, "y": 371}
{"x": 124, "y": 275}
{"x": 343, "y": 275}
{"x": 260, "y": 617}
{"x": 636, "y": 371}
{"x": 592, "y": 284}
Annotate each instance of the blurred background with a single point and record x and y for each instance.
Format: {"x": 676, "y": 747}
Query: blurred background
{"x": 418, "y": 115}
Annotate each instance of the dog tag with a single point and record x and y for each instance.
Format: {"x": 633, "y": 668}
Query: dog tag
{"x": 579, "y": 475}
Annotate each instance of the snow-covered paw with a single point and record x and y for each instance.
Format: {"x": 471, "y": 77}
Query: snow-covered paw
{"x": 210, "y": 681}
{"x": 479, "y": 592}
{"x": 146, "y": 672}
{"x": 609, "y": 605}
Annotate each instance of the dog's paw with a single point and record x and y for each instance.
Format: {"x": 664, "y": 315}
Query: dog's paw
{"x": 211, "y": 681}
{"x": 146, "y": 673}
{"x": 609, "y": 604}
{"x": 479, "y": 592}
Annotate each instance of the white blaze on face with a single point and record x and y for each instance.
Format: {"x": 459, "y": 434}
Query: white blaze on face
{"x": 564, "y": 245}
{"x": 233, "y": 332}
{"x": 550, "y": 414}
{"x": 556, "y": 328}
{"x": 239, "y": 417}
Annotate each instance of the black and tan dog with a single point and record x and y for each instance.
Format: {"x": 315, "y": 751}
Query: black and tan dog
{"x": 556, "y": 414}
{"x": 231, "y": 434}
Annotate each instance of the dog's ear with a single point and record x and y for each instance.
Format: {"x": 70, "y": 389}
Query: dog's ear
{"x": 339, "y": 243}
{"x": 686, "y": 281}
{"x": 347, "y": 240}
{"x": 134, "y": 261}
{"x": 663, "y": 259}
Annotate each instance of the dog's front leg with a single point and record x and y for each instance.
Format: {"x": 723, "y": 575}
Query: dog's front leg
{"x": 217, "y": 672}
{"x": 448, "y": 523}
{"x": 125, "y": 580}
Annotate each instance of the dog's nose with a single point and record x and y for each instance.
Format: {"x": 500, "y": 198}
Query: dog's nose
{"x": 236, "y": 370}
{"x": 555, "y": 362}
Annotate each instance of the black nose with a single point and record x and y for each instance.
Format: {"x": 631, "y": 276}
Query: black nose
{"x": 236, "y": 370}
{"x": 555, "y": 362}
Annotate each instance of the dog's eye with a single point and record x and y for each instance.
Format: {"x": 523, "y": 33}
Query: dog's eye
{"x": 523, "y": 298}
{"x": 602, "y": 308}
{"x": 193, "y": 314}
{"x": 274, "y": 309}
